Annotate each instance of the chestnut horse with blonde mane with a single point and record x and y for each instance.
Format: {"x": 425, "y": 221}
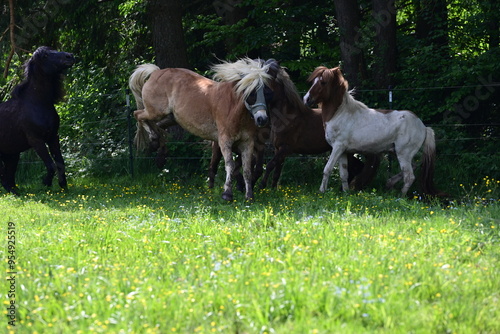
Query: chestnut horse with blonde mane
{"x": 351, "y": 126}
{"x": 228, "y": 110}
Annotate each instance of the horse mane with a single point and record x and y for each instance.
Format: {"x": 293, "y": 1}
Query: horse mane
{"x": 290, "y": 91}
{"x": 351, "y": 103}
{"x": 318, "y": 71}
{"x": 335, "y": 80}
{"x": 34, "y": 75}
{"x": 248, "y": 74}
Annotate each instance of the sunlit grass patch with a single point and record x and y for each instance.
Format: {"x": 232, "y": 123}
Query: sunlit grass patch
{"x": 143, "y": 256}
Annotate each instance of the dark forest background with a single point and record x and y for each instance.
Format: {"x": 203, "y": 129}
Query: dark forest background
{"x": 440, "y": 58}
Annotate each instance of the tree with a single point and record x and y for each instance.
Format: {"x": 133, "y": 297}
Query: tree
{"x": 349, "y": 22}
{"x": 432, "y": 24}
{"x": 231, "y": 12}
{"x": 168, "y": 34}
{"x": 385, "y": 48}
{"x": 490, "y": 11}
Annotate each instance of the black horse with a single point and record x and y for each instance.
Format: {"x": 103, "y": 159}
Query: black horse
{"x": 29, "y": 118}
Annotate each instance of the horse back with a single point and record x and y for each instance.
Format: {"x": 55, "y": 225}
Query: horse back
{"x": 200, "y": 105}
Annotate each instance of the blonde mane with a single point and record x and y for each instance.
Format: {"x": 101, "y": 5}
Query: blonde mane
{"x": 248, "y": 74}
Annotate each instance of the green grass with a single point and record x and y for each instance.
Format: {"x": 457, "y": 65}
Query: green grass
{"x": 160, "y": 255}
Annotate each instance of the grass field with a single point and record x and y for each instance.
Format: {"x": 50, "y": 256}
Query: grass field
{"x": 160, "y": 255}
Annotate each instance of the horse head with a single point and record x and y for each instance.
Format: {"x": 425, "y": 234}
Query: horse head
{"x": 259, "y": 100}
{"x": 326, "y": 84}
{"x": 47, "y": 61}
{"x": 45, "y": 70}
{"x": 253, "y": 79}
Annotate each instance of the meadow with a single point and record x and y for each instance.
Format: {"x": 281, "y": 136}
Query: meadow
{"x": 156, "y": 254}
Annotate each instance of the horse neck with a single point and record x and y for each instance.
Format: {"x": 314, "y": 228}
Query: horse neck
{"x": 290, "y": 104}
{"x": 334, "y": 105}
{"x": 45, "y": 90}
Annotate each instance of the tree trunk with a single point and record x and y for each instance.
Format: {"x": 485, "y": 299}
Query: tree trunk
{"x": 384, "y": 14}
{"x": 348, "y": 20}
{"x": 490, "y": 12}
{"x": 432, "y": 24}
{"x": 168, "y": 35}
{"x": 168, "y": 41}
{"x": 231, "y": 13}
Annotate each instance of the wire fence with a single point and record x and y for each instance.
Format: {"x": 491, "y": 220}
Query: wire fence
{"x": 444, "y": 137}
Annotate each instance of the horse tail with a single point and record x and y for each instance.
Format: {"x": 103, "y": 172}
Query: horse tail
{"x": 141, "y": 139}
{"x": 136, "y": 82}
{"x": 138, "y": 79}
{"x": 428, "y": 161}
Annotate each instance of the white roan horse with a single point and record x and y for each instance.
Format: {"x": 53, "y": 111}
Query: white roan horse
{"x": 228, "y": 111}
{"x": 350, "y": 126}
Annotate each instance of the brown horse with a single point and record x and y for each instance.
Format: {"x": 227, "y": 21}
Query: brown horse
{"x": 213, "y": 110}
{"x": 30, "y": 120}
{"x": 296, "y": 128}
{"x": 351, "y": 126}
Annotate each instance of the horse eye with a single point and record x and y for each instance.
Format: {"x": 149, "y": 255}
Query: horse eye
{"x": 252, "y": 98}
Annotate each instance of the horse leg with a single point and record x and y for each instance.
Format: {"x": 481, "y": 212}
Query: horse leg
{"x": 275, "y": 162}
{"x": 8, "y": 172}
{"x": 269, "y": 168}
{"x": 258, "y": 165}
{"x": 408, "y": 176}
{"x": 259, "y": 152}
{"x": 344, "y": 172}
{"x": 355, "y": 167}
{"x": 214, "y": 163}
{"x": 227, "y": 153}
{"x": 240, "y": 181}
{"x": 246, "y": 150}
{"x": 337, "y": 150}
{"x": 55, "y": 151}
{"x": 40, "y": 149}
{"x": 366, "y": 175}
{"x": 391, "y": 182}
{"x": 279, "y": 168}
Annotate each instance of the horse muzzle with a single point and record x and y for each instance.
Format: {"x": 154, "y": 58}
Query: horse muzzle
{"x": 308, "y": 100}
{"x": 69, "y": 59}
{"x": 260, "y": 117}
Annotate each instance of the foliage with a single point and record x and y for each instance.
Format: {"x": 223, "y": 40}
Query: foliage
{"x": 445, "y": 84}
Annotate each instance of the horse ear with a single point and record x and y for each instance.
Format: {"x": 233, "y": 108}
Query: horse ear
{"x": 342, "y": 83}
{"x": 337, "y": 74}
{"x": 274, "y": 67}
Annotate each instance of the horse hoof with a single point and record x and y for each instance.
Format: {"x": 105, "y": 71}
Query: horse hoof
{"x": 14, "y": 191}
{"x": 47, "y": 182}
{"x": 227, "y": 196}
{"x": 63, "y": 185}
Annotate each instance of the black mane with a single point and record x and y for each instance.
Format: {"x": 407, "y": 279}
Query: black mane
{"x": 34, "y": 75}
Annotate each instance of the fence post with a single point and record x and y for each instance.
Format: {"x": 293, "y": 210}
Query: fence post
{"x": 390, "y": 156}
{"x": 129, "y": 123}
{"x": 390, "y": 97}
